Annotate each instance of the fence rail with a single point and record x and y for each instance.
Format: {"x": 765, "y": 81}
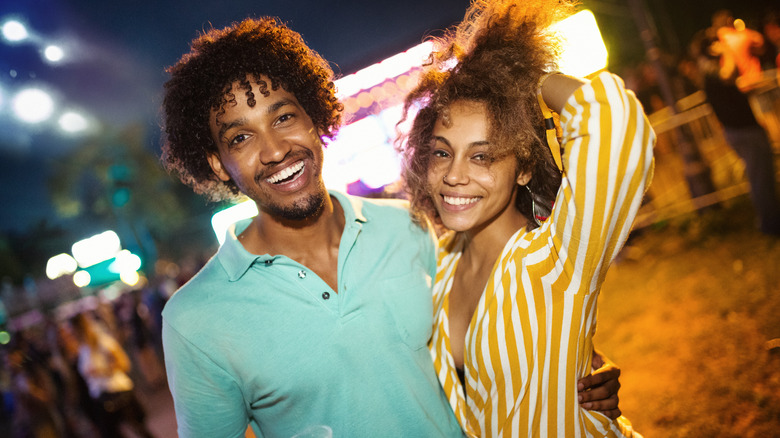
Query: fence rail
{"x": 669, "y": 195}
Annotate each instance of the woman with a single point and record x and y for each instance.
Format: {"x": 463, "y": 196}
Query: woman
{"x": 104, "y": 365}
{"x": 516, "y": 291}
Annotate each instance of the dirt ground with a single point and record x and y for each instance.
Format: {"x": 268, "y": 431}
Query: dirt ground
{"x": 691, "y": 313}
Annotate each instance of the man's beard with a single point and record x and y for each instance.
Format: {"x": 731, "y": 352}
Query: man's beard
{"x": 302, "y": 209}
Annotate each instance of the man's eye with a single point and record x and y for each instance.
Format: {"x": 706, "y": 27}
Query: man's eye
{"x": 237, "y": 139}
{"x": 285, "y": 117}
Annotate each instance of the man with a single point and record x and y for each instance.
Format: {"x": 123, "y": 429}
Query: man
{"x": 313, "y": 317}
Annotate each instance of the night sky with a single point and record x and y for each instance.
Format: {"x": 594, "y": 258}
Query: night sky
{"x": 117, "y": 52}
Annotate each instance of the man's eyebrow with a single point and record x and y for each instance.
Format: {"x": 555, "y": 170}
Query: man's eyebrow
{"x": 238, "y": 122}
{"x": 279, "y": 104}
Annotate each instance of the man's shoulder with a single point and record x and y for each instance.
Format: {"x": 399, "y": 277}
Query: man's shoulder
{"x": 197, "y": 291}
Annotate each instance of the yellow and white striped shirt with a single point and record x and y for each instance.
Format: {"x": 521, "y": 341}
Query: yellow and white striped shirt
{"x": 530, "y": 338}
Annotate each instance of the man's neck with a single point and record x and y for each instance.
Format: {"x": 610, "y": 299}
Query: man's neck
{"x": 296, "y": 239}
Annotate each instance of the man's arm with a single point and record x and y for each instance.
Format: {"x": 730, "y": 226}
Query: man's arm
{"x": 598, "y": 391}
{"x": 207, "y": 400}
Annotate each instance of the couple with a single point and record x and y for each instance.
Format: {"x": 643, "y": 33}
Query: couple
{"x": 316, "y": 317}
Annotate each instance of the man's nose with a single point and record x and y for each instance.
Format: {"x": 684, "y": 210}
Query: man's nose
{"x": 274, "y": 149}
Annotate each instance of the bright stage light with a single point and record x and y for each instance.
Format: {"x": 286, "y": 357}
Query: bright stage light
{"x": 14, "y": 31}
{"x": 584, "y": 51}
{"x": 33, "y": 105}
{"x": 387, "y": 69}
{"x": 53, "y": 53}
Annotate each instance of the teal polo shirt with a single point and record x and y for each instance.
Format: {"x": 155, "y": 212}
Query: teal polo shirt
{"x": 262, "y": 340}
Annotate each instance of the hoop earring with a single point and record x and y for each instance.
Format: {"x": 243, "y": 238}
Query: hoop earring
{"x": 533, "y": 206}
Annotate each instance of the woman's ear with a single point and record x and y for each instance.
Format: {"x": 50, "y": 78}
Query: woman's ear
{"x": 524, "y": 178}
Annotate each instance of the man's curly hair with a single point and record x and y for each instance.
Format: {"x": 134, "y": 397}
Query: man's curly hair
{"x": 201, "y": 81}
{"x": 496, "y": 56}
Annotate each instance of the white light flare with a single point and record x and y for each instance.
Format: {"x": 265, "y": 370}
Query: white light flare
{"x": 96, "y": 249}
{"x": 72, "y": 122}
{"x": 33, "y": 105}
{"x": 53, "y": 53}
{"x": 59, "y": 265}
{"x": 14, "y": 31}
{"x": 584, "y": 51}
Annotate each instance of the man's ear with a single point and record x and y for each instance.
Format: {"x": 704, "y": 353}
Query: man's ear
{"x": 216, "y": 167}
{"x": 524, "y": 178}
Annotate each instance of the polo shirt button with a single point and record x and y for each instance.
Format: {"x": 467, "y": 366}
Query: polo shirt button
{"x": 301, "y": 274}
{"x": 325, "y": 295}
{"x": 269, "y": 261}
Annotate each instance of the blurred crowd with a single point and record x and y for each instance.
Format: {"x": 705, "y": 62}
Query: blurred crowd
{"x": 737, "y": 68}
{"x": 80, "y": 371}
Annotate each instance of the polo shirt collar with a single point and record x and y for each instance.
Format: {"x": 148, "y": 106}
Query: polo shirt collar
{"x": 236, "y": 260}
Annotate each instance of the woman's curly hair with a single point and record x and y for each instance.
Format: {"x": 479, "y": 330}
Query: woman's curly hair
{"x": 496, "y": 56}
{"x": 201, "y": 82}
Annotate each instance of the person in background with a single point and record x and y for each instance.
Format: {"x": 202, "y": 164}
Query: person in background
{"x": 741, "y": 49}
{"x": 742, "y": 132}
{"x": 532, "y": 233}
{"x": 104, "y": 365}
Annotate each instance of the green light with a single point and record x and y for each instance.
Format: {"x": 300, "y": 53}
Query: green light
{"x": 5, "y": 337}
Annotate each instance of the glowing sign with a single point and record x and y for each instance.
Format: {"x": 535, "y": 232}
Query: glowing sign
{"x": 96, "y": 249}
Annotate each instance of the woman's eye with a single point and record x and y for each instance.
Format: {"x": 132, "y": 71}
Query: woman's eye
{"x": 438, "y": 153}
{"x": 479, "y": 157}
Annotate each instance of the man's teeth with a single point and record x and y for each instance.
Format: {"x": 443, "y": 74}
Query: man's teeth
{"x": 286, "y": 173}
{"x": 453, "y": 200}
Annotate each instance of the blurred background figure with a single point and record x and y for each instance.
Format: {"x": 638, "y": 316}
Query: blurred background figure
{"x": 104, "y": 365}
{"x": 719, "y": 52}
{"x": 772, "y": 35}
{"x": 139, "y": 337}
{"x": 35, "y": 414}
{"x": 740, "y": 49}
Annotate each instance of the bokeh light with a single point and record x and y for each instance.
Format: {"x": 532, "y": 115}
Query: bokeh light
{"x": 72, "y": 122}
{"x": 33, "y": 105}
{"x": 96, "y": 249}
{"x": 82, "y": 278}
{"x": 59, "y": 265}
{"x": 14, "y": 31}
{"x": 53, "y": 53}
{"x": 130, "y": 278}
